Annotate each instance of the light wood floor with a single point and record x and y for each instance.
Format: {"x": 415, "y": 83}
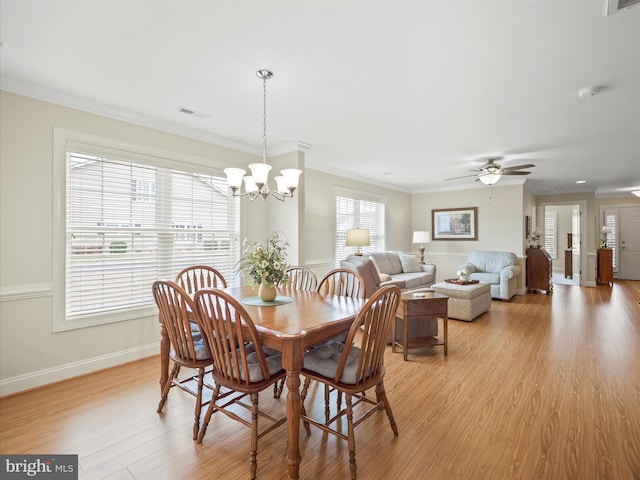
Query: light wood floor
{"x": 541, "y": 387}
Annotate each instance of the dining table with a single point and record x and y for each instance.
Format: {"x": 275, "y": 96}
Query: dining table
{"x": 292, "y": 326}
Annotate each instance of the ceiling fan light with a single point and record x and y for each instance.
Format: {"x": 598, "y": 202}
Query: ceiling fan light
{"x": 490, "y": 178}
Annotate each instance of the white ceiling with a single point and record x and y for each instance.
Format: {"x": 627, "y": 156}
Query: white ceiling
{"x": 401, "y": 94}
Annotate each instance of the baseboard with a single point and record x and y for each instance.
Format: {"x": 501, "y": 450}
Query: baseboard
{"x": 51, "y": 375}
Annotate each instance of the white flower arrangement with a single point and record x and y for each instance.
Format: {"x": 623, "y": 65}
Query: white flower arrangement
{"x": 462, "y": 273}
{"x": 534, "y": 239}
{"x": 265, "y": 263}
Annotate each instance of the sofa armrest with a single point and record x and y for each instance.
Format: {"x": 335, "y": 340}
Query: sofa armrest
{"x": 510, "y": 272}
{"x": 429, "y": 268}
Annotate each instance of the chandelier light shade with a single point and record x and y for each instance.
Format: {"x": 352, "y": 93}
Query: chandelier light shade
{"x": 358, "y": 237}
{"x": 421, "y": 237}
{"x": 257, "y": 184}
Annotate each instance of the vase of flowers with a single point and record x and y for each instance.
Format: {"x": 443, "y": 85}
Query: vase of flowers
{"x": 266, "y": 265}
{"x": 534, "y": 239}
{"x": 463, "y": 275}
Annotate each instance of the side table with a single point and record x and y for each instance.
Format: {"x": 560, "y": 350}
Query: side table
{"x": 412, "y": 308}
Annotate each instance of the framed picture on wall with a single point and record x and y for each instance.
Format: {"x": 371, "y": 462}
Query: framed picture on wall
{"x": 455, "y": 223}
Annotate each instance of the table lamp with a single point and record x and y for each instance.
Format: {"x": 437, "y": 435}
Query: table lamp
{"x": 421, "y": 237}
{"x": 358, "y": 237}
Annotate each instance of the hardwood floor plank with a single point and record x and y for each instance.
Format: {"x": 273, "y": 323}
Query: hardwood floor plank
{"x": 540, "y": 387}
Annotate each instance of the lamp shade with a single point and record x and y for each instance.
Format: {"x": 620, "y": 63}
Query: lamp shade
{"x": 358, "y": 237}
{"x": 421, "y": 237}
{"x": 605, "y": 229}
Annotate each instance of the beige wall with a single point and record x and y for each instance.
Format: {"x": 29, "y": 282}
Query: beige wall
{"x": 500, "y": 224}
{"x": 319, "y": 221}
{"x": 30, "y": 354}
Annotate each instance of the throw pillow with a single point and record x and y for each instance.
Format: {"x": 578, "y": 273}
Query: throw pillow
{"x": 409, "y": 264}
{"x": 384, "y": 277}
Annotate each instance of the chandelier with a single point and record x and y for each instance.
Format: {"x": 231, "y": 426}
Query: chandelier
{"x": 256, "y": 184}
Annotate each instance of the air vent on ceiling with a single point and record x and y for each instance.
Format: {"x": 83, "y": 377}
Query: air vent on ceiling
{"x": 193, "y": 113}
{"x": 614, "y": 6}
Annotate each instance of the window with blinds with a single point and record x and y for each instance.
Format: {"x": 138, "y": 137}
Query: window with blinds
{"x": 551, "y": 233}
{"x": 359, "y": 210}
{"x": 130, "y": 223}
{"x": 611, "y": 220}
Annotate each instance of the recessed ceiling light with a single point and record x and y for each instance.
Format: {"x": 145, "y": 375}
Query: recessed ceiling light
{"x": 581, "y": 181}
{"x": 636, "y": 192}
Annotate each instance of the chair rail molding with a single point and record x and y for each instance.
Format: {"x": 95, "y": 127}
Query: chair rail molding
{"x": 24, "y": 292}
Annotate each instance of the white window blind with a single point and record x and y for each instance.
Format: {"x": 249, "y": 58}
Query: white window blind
{"x": 611, "y": 220}
{"x": 358, "y": 210}
{"x": 551, "y": 233}
{"x": 130, "y": 223}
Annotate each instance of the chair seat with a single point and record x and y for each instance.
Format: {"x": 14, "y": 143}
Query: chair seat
{"x": 325, "y": 358}
{"x": 274, "y": 363}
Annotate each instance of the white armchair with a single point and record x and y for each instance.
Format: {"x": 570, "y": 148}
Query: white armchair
{"x": 499, "y": 269}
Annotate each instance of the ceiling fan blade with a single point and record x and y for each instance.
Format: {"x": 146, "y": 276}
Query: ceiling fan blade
{"x": 518, "y": 167}
{"x": 515, "y": 173}
{"x": 464, "y": 176}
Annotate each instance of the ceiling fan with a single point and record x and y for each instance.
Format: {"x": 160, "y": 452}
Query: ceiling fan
{"x": 491, "y": 172}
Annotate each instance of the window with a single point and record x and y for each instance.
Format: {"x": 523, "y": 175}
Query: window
{"x": 551, "y": 233}
{"x": 359, "y": 210}
{"x": 610, "y": 219}
{"x": 129, "y": 221}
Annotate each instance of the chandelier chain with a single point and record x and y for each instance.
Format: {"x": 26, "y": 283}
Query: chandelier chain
{"x": 264, "y": 120}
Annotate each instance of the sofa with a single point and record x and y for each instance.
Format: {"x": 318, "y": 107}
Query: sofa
{"x": 390, "y": 268}
{"x": 499, "y": 269}
{"x": 394, "y": 268}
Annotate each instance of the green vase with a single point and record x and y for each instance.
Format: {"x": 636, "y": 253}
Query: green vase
{"x": 267, "y": 292}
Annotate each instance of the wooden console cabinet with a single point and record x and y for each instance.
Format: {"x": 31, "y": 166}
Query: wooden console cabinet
{"x": 568, "y": 263}
{"x": 605, "y": 266}
{"x": 539, "y": 271}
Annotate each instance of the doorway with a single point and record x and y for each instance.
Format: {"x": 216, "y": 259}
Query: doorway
{"x": 562, "y": 240}
{"x": 624, "y": 239}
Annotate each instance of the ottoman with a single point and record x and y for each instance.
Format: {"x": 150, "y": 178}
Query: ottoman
{"x": 466, "y": 302}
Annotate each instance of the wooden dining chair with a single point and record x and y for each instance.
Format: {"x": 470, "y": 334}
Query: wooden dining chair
{"x": 188, "y": 348}
{"x": 302, "y": 278}
{"x": 355, "y": 367}
{"x": 240, "y": 363}
{"x": 342, "y": 281}
{"x": 193, "y": 278}
{"x": 347, "y": 283}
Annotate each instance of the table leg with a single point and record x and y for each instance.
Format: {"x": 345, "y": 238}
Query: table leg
{"x": 292, "y": 361}
{"x": 405, "y": 335}
{"x": 164, "y": 356}
{"x": 445, "y": 320}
